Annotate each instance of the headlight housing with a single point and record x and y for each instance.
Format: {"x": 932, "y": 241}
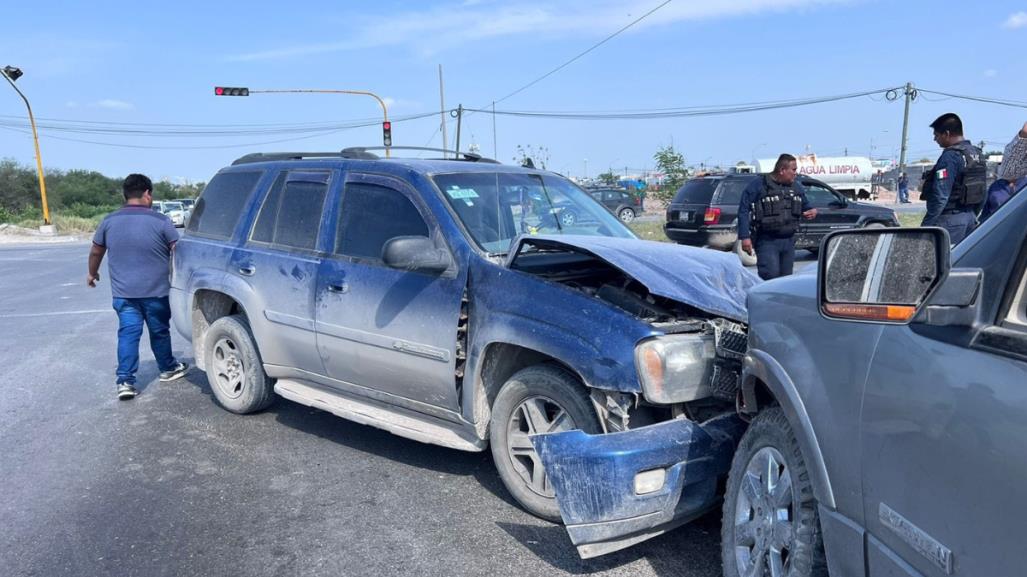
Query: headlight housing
{"x": 676, "y": 368}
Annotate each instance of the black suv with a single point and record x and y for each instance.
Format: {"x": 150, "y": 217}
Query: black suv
{"x": 704, "y": 212}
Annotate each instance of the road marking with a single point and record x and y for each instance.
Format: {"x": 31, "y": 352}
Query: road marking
{"x": 69, "y": 284}
{"x": 29, "y": 315}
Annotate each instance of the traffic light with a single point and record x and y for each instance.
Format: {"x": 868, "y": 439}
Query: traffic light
{"x": 387, "y": 133}
{"x": 231, "y": 91}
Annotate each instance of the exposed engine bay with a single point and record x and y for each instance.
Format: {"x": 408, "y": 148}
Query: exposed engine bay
{"x": 601, "y": 280}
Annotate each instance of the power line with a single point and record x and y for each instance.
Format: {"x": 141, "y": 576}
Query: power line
{"x": 580, "y": 55}
{"x": 998, "y": 101}
{"x": 685, "y": 111}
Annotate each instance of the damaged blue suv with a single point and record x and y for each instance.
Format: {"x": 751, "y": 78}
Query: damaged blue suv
{"x": 446, "y": 301}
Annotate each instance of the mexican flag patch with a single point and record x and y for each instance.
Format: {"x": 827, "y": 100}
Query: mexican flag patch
{"x": 942, "y": 174}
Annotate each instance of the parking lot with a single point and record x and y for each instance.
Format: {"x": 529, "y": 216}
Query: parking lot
{"x": 170, "y": 484}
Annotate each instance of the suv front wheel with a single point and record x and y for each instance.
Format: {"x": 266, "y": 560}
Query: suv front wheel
{"x": 234, "y": 369}
{"x": 770, "y": 525}
{"x": 538, "y": 399}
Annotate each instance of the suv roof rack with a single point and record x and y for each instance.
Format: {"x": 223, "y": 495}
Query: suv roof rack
{"x": 468, "y": 156}
{"x": 355, "y": 152}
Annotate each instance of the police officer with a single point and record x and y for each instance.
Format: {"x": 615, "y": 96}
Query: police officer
{"x": 957, "y": 185}
{"x": 768, "y": 217}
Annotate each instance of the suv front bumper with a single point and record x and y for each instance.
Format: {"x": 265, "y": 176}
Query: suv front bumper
{"x": 595, "y": 478}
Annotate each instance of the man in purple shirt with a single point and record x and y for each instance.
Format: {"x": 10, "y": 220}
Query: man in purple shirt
{"x": 139, "y": 241}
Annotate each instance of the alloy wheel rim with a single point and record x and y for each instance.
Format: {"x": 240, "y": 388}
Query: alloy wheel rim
{"x": 764, "y": 531}
{"x": 535, "y": 415}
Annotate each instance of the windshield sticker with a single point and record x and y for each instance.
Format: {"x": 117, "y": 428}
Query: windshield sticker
{"x": 457, "y": 193}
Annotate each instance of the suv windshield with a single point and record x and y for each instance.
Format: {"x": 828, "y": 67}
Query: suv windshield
{"x": 496, "y": 207}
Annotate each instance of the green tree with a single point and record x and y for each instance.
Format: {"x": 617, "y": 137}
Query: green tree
{"x": 608, "y": 177}
{"x": 672, "y": 164}
{"x": 86, "y": 187}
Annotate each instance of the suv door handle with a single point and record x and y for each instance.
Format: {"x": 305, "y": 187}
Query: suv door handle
{"x": 247, "y": 270}
{"x": 338, "y": 288}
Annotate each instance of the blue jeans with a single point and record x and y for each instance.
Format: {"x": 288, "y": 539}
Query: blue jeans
{"x": 132, "y": 313}
{"x": 903, "y": 194}
{"x": 775, "y": 256}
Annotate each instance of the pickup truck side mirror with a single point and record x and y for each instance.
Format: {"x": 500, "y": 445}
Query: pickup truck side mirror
{"x": 416, "y": 253}
{"x": 881, "y": 275}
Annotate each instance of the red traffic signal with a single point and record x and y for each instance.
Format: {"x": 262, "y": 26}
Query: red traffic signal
{"x": 387, "y": 133}
{"x": 231, "y": 91}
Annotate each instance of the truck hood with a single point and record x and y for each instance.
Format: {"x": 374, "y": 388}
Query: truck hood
{"x": 709, "y": 280}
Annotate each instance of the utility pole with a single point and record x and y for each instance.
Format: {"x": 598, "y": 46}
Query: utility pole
{"x": 909, "y": 92}
{"x": 442, "y": 112}
{"x": 459, "y": 114}
{"x": 495, "y": 148}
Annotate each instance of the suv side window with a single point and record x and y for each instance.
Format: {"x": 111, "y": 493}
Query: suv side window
{"x": 221, "y": 204}
{"x": 731, "y": 190}
{"x": 372, "y": 214}
{"x": 819, "y": 196}
{"x": 291, "y": 214}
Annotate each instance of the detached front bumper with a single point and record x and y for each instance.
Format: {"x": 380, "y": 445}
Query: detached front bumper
{"x": 595, "y": 479}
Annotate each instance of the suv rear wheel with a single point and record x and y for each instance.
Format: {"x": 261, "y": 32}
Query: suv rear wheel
{"x": 626, "y": 215}
{"x": 234, "y": 369}
{"x": 538, "y": 399}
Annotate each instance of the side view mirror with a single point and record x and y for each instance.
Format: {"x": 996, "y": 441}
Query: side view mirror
{"x": 415, "y": 253}
{"x": 881, "y": 275}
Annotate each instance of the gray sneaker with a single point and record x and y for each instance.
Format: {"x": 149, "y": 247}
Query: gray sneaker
{"x": 126, "y": 392}
{"x": 176, "y": 373}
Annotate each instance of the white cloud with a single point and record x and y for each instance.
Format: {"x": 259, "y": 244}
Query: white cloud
{"x": 71, "y": 104}
{"x": 401, "y": 104}
{"x": 112, "y": 104}
{"x": 430, "y": 31}
{"x": 990, "y": 73}
{"x": 1016, "y": 20}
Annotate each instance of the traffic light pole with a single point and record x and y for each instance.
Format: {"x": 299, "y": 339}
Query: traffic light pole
{"x": 39, "y": 159}
{"x": 385, "y": 110}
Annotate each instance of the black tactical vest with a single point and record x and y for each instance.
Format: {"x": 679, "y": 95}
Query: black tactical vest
{"x": 777, "y": 211}
{"x": 970, "y": 187}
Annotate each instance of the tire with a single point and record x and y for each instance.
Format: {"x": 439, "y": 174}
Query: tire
{"x": 562, "y": 404}
{"x": 746, "y": 258}
{"x": 626, "y": 215}
{"x": 874, "y": 225}
{"x": 753, "y": 534}
{"x": 234, "y": 368}
{"x": 568, "y": 218}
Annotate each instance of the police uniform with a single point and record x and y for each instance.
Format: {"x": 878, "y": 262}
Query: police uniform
{"x": 954, "y": 189}
{"x": 769, "y": 213}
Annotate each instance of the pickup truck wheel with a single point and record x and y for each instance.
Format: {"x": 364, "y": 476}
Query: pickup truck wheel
{"x": 746, "y": 258}
{"x": 234, "y": 369}
{"x": 770, "y": 525}
{"x": 568, "y": 218}
{"x": 538, "y": 399}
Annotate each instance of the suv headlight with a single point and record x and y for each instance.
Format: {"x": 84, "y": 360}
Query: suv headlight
{"x": 675, "y": 368}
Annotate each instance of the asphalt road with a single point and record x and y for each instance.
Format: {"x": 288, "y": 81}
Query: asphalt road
{"x": 170, "y": 484}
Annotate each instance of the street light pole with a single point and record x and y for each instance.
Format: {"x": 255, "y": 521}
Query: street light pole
{"x": 385, "y": 110}
{"x": 10, "y": 73}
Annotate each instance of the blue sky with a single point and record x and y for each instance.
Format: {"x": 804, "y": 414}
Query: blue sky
{"x": 119, "y": 62}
